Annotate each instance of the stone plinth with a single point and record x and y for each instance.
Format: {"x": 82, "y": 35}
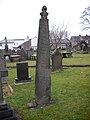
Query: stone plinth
{"x": 7, "y": 113}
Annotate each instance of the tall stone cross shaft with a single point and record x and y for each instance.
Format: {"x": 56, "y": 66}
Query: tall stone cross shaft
{"x": 42, "y": 80}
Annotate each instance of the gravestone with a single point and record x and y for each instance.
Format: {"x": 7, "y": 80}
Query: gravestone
{"x": 23, "y": 54}
{"x": 57, "y": 60}
{"x": 6, "y": 112}
{"x": 3, "y": 66}
{"x": 22, "y": 73}
{"x": 42, "y": 80}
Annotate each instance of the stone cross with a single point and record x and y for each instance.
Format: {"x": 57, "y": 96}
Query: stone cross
{"x": 2, "y": 61}
{"x": 3, "y": 73}
{"x": 6, "y": 112}
{"x": 3, "y": 66}
{"x": 1, "y": 93}
{"x": 42, "y": 80}
{"x": 6, "y": 45}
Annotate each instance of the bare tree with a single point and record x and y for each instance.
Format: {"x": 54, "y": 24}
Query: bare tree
{"x": 85, "y": 19}
{"x": 56, "y": 34}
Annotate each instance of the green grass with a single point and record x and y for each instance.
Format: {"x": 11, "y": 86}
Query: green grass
{"x": 70, "y": 88}
{"x": 77, "y": 59}
{"x": 30, "y": 63}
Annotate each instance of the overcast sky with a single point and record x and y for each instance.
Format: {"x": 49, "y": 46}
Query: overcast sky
{"x": 20, "y": 18}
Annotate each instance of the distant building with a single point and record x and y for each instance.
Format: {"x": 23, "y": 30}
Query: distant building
{"x": 26, "y": 45}
{"x": 10, "y": 43}
{"x": 80, "y": 41}
{"x": 15, "y": 43}
{"x": 64, "y": 44}
{"x": 29, "y": 44}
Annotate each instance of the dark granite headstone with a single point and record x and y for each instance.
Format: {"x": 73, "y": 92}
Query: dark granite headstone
{"x": 22, "y": 73}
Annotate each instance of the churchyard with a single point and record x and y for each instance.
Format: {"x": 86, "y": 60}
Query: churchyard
{"x": 70, "y": 88}
{"x": 44, "y": 89}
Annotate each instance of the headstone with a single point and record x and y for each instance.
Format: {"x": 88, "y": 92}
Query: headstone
{"x": 23, "y": 54}
{"x": 3, "y": 66}
{"x": 6, "y": 112}
{"x": 57, "y": 60}
{"x": 22, "y": 73}
{"x": 42, "y": 80}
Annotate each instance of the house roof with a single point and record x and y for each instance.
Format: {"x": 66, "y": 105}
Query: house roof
{"x": 80, "y": 38}
{"x": 14, "y": 42}
{"x": 24, "y": 43}
{"x": 65, "y": 41}
{"x": 62, "y": 41}
{"x": 8, "y": 41}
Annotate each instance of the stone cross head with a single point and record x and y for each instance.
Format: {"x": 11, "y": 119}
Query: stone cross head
{"x": 44, "y": 13}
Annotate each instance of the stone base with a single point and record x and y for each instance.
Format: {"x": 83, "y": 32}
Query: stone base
{"x": 33, "y": 105}
{"x": 7, "y": 113}
{"x": 19, "y": 81}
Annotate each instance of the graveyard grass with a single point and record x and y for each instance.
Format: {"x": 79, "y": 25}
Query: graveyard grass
{"x": 70, "y": 88}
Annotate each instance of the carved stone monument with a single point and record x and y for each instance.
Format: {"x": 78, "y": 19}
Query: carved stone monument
{"x": 57, "y": 60}
{"x": 42, "y": 80}
{"x": 3, "y": 66}
{"x": 6, "y": 112}
{"x": 22, "y": 73}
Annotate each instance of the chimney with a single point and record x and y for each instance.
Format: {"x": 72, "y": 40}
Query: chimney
{"x": 28, "y": 37}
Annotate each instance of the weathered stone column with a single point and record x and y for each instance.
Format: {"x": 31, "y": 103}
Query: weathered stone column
{"x": 6, "y": 112}
{"x": 3, "y": 73}
{"x": 2, "y": 67}
{"x": 1, "y": 93}
{"x": 57, "y": 60}
{"x": 42, "y": 80}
